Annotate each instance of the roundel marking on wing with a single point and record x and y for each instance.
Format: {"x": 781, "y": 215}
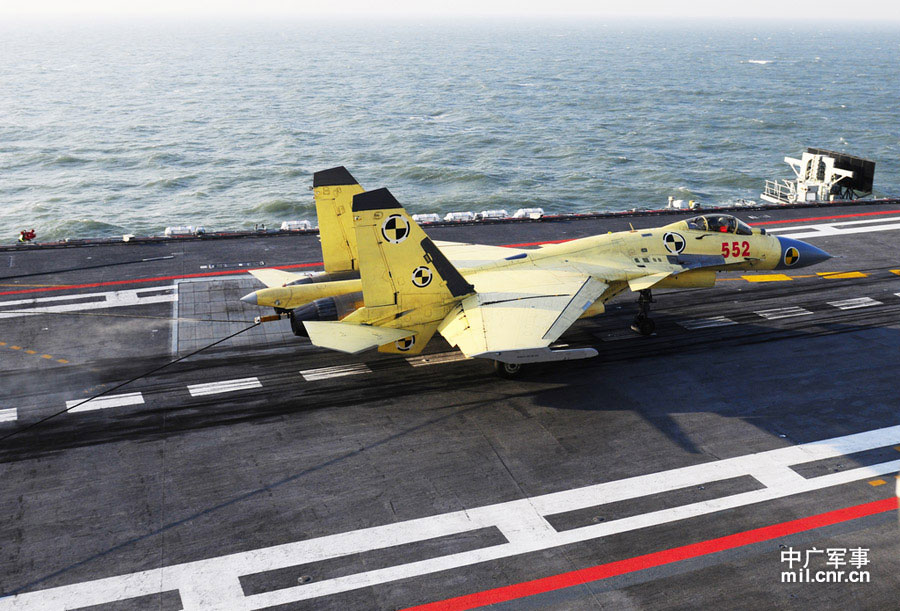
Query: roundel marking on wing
{"x": 395, "y": 229}
{"x": 406, "y": 343}
{"x": 422, "y": 276}
{"x": 674, "y": 242}
{"x": 791, "y": 256}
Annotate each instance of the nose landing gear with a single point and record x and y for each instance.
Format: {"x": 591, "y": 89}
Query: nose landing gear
{"x": 643, "y": 324}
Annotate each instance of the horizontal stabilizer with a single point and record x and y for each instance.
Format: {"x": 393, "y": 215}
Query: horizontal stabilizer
{"x": 275, "y": 277}
{"x": 538, "y": 355}
{"x": 349, "y": 337}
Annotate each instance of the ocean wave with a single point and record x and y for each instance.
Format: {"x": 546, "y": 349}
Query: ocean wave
{"x": 69, "y": 228}
{"x": 179, "y": 182}
{"x": 761, "y": 62}
{"x": 441, "y": 175}
{"x": 66, "y": 160}
{"x": 281, "y": 206}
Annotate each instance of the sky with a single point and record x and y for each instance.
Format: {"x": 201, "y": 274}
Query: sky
{"x": 777, "y": 10}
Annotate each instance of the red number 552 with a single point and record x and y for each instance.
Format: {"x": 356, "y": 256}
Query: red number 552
{"x": 735, "y": 249}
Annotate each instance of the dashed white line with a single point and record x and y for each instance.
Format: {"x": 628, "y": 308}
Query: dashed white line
{"x": 132, "y": 398}
{"x": 215, "y": 388}
{"x": 338, "y": 371}
{"x": 777, "y": 313}
{"x": 852, "y": 304}
{"x": 8, "y": 415}
{"x": 436, "y": 359}
{"x": 704, "y": 323}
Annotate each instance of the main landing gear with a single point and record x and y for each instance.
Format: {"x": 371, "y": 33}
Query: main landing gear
{"x": 643, "y": 324}
{"x": 507, "y": 370}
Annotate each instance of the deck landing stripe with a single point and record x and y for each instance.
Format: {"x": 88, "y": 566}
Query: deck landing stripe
{"x": 660, "y": 558}
{"x": 324, "y": 373}
{"x": 215, "y": 388}
{"x": 133, "y": 398}
{"x": 789, "y": 312}
{"x": 852, "y": 304}
{"x": 705, "y": 323}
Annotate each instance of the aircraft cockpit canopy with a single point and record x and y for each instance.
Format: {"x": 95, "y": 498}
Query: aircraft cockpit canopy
{"x": 719, "y": 223}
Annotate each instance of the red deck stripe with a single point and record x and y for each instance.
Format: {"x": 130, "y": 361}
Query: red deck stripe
{"x": 92, "y": 285}
{"x": 241, "y": 271}
{"x": 639, "y": 563}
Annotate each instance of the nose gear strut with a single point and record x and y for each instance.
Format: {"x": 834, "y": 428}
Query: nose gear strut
{"x": 643, "y": 324}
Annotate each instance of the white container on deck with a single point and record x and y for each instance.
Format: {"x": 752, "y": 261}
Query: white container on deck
{"x": 181, "y": 230}
{"x": 491, "y": 214}
{"x": 296, "y": 225}
{"x": 459, "y": 216}
{"x": 529, "y": 213}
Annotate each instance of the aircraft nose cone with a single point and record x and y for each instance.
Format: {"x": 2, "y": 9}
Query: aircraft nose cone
{"x": 251, "y": 298}
{"x": 795, "y": 253}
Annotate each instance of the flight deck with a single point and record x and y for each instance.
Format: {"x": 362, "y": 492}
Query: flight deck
{"x": 160, "y": 449}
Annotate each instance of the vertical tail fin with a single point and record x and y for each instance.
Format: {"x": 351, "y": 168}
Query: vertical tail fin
{"x": 408, "y": 285}
{"x": 333, "y": 191}
{"x": 400, "y": 266}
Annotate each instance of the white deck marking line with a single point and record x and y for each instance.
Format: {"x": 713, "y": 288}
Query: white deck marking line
{"x": 215, "y": 388}
{"x": 9, "y": 414}
{"x": 132, "y": 398}
{"x": 214, "y": 583}
{"x": 311, "y": 375}
{"x": 838, "y": 228}
{"x": 704, "y": 323}
{"x": 776, "y": 313}
{"x": 111, "y": 299}
{"x": 435, "y": 359}
{"x": 852, "y": 304}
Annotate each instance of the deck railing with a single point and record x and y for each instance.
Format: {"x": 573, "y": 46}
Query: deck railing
{"x": 782, "y": 191}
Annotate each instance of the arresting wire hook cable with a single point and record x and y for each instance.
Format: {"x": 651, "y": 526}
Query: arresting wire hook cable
{"x": 129, "y": 381}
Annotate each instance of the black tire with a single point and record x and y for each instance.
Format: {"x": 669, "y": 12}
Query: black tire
{"x": 644, "y": 326}
{"x": 507, "y": 370}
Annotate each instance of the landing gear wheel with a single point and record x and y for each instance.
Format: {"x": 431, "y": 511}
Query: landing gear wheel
{"x": 643, "y": 325}
{"x": 507, "y": 370}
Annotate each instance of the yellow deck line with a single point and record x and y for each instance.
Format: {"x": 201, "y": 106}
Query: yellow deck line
{"x": 35, "y": 352}
{"x": 842, "y": 275}
{"x": 767, "y": 278}
{"x": 877, "y": 482}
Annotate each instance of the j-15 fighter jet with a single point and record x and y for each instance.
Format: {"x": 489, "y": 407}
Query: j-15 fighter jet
{"x": 387, "y": 285}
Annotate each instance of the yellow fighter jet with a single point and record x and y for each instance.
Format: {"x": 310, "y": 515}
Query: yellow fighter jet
{"x": 387, "y": 285}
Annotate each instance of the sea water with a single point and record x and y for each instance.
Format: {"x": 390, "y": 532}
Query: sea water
{"x": 127, "y": 127}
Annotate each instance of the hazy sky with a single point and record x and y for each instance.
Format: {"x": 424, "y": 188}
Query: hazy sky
{"x": 777, "y": 10}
